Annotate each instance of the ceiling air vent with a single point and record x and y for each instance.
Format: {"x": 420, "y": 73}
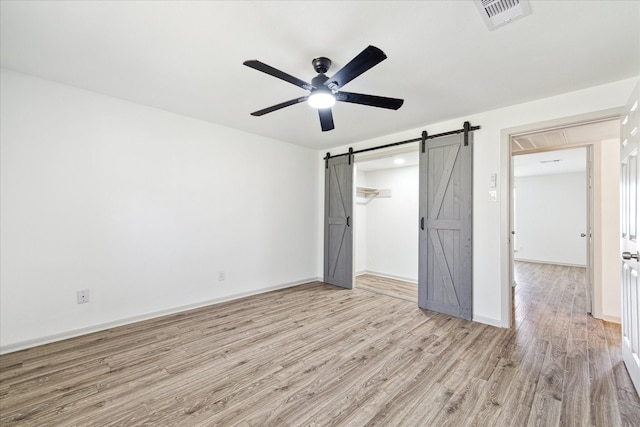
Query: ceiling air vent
{"x": 497, "y": 13}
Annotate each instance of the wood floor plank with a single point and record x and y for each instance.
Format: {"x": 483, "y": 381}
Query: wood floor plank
{"x": 576, "y": 394}
{"x": 604, "y": 401}
{"x": 547, "y": 402}
{"x": 389, "y": 287}
{"x": 318, "y": 355}
{"x": 624, "y": 387}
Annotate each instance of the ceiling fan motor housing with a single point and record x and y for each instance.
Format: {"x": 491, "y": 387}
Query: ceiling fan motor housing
{"x": 318, "y": 81}
{"x": 321, "y": 65}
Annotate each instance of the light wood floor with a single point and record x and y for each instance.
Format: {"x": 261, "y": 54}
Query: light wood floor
{"x": 319, "y": 355}
{"x": 389, "y": 287}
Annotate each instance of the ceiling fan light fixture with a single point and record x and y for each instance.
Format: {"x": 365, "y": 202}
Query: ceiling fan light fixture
{"x": 321, "y": 99}
{"x": 324, "y": 92}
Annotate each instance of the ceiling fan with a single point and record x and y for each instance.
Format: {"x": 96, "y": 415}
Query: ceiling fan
{"x": 325, "y": 91}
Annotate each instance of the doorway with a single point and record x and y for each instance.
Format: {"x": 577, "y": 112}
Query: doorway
{"x": 583, "y": 242}
{"x": 386, "y": 217}
{"x": 551, "y": 217}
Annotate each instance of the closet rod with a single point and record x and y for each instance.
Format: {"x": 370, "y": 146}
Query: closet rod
{"x": 367, "y": 192}
{"x": 466, "y": 129}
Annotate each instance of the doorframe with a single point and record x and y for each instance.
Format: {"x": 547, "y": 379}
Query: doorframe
{"x": 506, "y": 250}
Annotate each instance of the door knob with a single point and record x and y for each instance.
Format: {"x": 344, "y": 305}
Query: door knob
{"x": 583, "y": 235}
{"x": 629, "y": 255}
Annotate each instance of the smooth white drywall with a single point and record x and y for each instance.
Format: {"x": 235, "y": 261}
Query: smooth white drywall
{"x": 391, "y": 224}
{"x": 550, "y": 215}
{"x": 491, "y": 249}
{"x": 141, "y": 206}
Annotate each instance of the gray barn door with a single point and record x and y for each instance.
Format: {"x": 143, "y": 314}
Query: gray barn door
{"x": 444, "y": 263}
{"x": 338, "y": 222}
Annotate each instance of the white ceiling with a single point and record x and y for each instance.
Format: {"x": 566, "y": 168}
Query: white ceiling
{"x": 186, "y": 57}
{"x": 550, "y": 162}
{"x": 395, "y": 160}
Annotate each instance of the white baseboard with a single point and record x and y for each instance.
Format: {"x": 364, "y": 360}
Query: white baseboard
{"x": 488, "y": 321}
{"x": 480, "y": 319}
{"x": 388, "y": 276}
{"x": 22, "y": 345}
{"x": 612, "y": 319}
{"x": 537, "y": 261}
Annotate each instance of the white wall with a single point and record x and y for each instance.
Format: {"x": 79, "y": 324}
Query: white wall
{"x": 491, "y": 250}
{"x": 142, "y": 207}
{"x": 391, "y": 224}
{"x": 550, "y": 214}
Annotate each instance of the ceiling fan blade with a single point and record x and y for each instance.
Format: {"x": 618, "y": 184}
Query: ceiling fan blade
{"x": 326, "y": 119}
{"x": 279, "y": 106}
{"x": 261, "y": 66}
{"x": 365, "y": 60}
{"x": 371, "y": 100}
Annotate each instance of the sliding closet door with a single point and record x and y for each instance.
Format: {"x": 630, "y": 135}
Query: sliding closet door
{"x": 338, "y": 222}
{"x": 444, "y": 269}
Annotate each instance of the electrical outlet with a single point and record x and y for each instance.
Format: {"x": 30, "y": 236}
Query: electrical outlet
{"x": 83, "y": 296}
{"x": 221, "y": 276}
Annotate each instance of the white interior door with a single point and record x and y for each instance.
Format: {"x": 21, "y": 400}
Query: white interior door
{"x": 629, "y": 238}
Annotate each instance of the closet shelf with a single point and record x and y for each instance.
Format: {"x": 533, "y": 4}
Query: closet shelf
{"x": 369, "y": 194}
{"x": 366, "y": 193}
